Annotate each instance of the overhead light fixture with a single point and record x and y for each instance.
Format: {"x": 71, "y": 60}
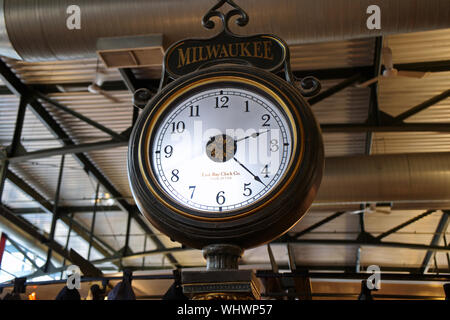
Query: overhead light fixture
{"x": 131, "y": 51}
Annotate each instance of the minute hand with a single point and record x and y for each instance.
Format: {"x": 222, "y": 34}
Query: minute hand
{"x": 253, "y": 135}
{"x": 254, "y": 176}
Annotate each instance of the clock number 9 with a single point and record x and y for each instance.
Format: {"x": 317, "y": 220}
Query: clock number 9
{"x": 220, "y": 198}
{"x": 168, "y": 150}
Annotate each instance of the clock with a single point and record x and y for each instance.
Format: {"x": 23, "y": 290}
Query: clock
{"x": 228, "y": 154}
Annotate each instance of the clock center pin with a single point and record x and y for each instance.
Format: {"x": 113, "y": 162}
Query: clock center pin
{"x": 221, "y": 148}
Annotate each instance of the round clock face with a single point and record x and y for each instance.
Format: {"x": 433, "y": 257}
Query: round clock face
{"x": 221, "y": 149}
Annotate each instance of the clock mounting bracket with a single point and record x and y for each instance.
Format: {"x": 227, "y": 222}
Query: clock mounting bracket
{"x": 264, "y": 51}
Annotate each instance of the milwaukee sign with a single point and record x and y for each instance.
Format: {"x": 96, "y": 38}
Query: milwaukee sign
{"x": 263, "y": 51}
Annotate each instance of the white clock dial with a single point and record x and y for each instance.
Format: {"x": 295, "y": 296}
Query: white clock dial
{"x": 221, "y": 150}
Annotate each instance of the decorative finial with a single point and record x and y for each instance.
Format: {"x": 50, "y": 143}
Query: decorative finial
{"x": 213, "y": 12}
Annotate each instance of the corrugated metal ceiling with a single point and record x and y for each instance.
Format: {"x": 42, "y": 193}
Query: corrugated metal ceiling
{"x": 349, "y": 106}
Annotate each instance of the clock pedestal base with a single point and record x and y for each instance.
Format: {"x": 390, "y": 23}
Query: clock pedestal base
{"x": 222, "y": 280}
{"x": 221, "y": 285}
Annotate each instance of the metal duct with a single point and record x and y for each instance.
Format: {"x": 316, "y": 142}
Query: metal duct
{"x": 412, "y": 178}
{"x": 36, "y": 29}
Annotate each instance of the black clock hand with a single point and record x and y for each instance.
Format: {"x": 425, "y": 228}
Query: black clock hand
{"x": 254, "y": 176}
{"x": 253, "y": 135}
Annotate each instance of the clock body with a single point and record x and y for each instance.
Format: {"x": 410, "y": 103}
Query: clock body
{"x": 229, "y": 155}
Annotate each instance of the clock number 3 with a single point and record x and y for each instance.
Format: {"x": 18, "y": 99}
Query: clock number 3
{"x": 274, "y": 145}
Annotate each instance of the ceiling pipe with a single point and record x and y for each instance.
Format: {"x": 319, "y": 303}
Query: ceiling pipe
{"x": 37, "y": 30}
{"x": 398, "y": 178}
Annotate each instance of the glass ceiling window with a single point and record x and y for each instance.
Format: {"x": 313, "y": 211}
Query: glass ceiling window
{"x": 18, "y": 261}
{"x": 13, "y": 197}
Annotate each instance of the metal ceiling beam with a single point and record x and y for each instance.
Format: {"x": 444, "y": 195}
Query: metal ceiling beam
{"x": 3, "y": 170}
{"x": 422, "y": 106}
{"x": 67, "y": 209}
{"x": 48, "y": 207}
{"x": 33, "y": 232}
{"x": 337, "y": 242}
{"x": 142, "y": 254}
{"x": 20, "y": 89}
{"x": 77, "y": 115}
{"x": 354, "y": 276}
{"x": 132, "y": 85}
{"x": 334, "y": 73}
{"x": 12, "y": 149}
{"x": 28, "y": 190}
{"x": 335, "y": 89}
{"x": 322, "y": 74}
{"x": 80, "y": 209}
{"x": 404, "y": 127}
{"x": 429, "y": 66}
{"x": 55, "y": 212}
{"x": 337, "y": 269}
{"x": 315, "y": 226}
{"x": 440, "y": 230}
{"x": 79, "y": 148}
{"x": 407, "y": 223}
{"x": 129, "y": 79}
{"x": 373, "y": 115}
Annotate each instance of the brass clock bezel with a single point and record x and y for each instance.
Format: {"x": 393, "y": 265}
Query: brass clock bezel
{"x": 152, "y": 120}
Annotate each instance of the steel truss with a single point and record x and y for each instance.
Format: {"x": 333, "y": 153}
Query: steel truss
{"x": 377, "y": 121}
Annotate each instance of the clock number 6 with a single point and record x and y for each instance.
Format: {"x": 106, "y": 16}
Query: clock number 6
{"x": 220, "y": 198}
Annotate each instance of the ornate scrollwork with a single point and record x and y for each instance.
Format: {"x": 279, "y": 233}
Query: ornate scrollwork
{"x": 225, "y": 17}
{"x": 309, "y": 86}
